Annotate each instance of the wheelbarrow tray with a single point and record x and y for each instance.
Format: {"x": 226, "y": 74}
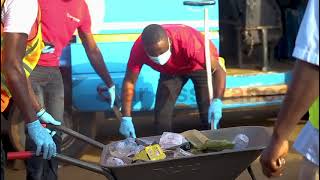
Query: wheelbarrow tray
{"x": 223, "y": 165}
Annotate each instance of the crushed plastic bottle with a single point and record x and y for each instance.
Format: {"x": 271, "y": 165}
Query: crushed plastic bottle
{"x": 241, "y": 141}
{"x": 125, "y": 148}
{"x": 181, "y": 153}
{"x": 112, "y": 161}
{"x": 170, "y": 140}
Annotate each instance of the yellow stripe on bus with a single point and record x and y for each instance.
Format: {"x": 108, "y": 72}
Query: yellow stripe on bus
{"x": 104, "y": 38}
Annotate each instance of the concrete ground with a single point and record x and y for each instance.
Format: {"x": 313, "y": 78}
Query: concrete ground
{"x": 230, "y": 119}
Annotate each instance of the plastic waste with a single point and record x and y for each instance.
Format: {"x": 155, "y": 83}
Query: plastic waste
{"x": 202, "y": 143}
{"x": 181, "y": 153}
{"x": 152, "y": 152}
{"x": 241, "y": 141}
{"x": 170, "y": 140}
{"x": 144, "y": 142}
{"x": 112, "y": 161}
{"x": 125, "y": 148}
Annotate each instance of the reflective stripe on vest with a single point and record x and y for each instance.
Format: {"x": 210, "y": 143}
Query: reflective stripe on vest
{"x": 314, "y": 114}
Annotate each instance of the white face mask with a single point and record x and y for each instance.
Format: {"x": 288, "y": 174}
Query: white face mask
{"x": 162, "y": 58}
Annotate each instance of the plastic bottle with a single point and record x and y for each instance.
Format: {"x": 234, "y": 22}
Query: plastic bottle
{"x": 241, "y": 141}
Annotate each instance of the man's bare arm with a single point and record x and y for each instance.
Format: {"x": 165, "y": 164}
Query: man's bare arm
{"x": 303, "y": 91}
{"x": 219, "y": 79}
{"x": 13, "y": 51}
{"x": 95, "y": 57}
{"x": 128, "y": 92}
{"x": 34, "y": 100}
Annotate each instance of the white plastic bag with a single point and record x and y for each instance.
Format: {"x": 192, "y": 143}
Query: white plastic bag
{"x": 169, "y": 140}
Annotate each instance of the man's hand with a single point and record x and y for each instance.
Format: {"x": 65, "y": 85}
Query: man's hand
{"x": 127, "y": 128}
{"x": 215, "y": 112}
{"x": 47, "y": 118}
{"x": 112, "y": 93}
{"x": 42, "y": 138}
{"x": 272, "y": 158}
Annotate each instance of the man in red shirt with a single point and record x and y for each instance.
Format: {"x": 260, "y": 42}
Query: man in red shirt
{"x": 60, "y": 19}
{"x": 177, "y": 52}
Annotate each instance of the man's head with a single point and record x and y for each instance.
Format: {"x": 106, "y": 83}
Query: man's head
{"x": 156, "y": 43}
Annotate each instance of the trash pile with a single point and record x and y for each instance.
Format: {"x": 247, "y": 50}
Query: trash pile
{"x": 170, "y": 145}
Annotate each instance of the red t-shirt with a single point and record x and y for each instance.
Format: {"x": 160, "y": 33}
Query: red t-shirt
{"x": 187, "y": 52}
{"x": 60, "y": 19}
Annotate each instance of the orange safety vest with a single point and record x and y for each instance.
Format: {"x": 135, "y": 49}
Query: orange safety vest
{"x": 33, "y": 51}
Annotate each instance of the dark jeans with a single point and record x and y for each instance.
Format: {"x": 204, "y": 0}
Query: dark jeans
{"x": 47, "y": 84}
{"x": 3, "y": 160}
{"x": 168, "y": 91}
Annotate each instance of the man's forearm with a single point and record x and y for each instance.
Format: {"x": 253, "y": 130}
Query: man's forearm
{"x": 219, "y": 83}
{"x": 127, "y": 97}
{"x": 303, "y": 91}
{"x": 17, "y": 83}
{"x": 100, "y": 67}
{"x": 35, "y": 104}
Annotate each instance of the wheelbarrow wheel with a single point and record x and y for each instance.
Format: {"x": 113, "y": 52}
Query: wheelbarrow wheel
{"x": 81, "y": 122}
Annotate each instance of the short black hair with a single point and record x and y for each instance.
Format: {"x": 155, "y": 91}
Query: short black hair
{"x": 152, "y": 34}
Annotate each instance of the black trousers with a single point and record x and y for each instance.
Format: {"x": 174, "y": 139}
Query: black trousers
{"x": 3, "y": 160}
{"x": 48, "y": 86}
{"x": 169, "y": 88}
{"x": 37, "y": 167}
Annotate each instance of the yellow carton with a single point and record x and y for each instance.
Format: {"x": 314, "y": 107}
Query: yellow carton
{"x": 152, "y": 152}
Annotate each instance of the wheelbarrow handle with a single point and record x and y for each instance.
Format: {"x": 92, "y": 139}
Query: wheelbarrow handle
{"x": 75, "y": 134}
{"x": 66, "y": 159}
{"x": 199, "y": 3}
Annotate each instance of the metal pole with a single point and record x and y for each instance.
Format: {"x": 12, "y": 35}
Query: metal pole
{"x": 239, "y": 47}
{"x": 265, "y": 49}
{"x": 207, "y": 56}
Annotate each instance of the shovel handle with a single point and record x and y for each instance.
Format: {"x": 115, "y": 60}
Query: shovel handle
{"x": 116, "y": 105}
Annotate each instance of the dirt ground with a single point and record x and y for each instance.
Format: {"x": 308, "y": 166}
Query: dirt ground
{"x": 93, "y": 155}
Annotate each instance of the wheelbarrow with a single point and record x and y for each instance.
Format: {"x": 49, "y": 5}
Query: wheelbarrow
{"x": 223, "y": 165}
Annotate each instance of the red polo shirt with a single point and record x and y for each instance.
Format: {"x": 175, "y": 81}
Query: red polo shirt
{"x": 60, "y": 19}
{"x": 187, "y": 49}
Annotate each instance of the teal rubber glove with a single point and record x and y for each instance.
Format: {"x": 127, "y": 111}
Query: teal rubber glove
{"x": 215, "y": 112}
{"x": 47, "y": 118}
{"x": 52, "y": 133}
{"x": 127, "y": 128}
{"x": 112, "y": 93}
{"x": 42, "y": 138}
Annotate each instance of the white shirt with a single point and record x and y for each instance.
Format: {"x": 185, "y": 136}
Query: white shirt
{"x": 18, "y": 16}
{"x": 307, "y": 42}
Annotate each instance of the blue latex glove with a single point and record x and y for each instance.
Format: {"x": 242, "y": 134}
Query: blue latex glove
{"x": 112, "y": 93}
{"x": 52, "y": 133}
{"x": 127, "y": 128}
{"x": 47, "y": 118}
{"x": 215, "y": 112}
{"x": 42, "y": 138}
